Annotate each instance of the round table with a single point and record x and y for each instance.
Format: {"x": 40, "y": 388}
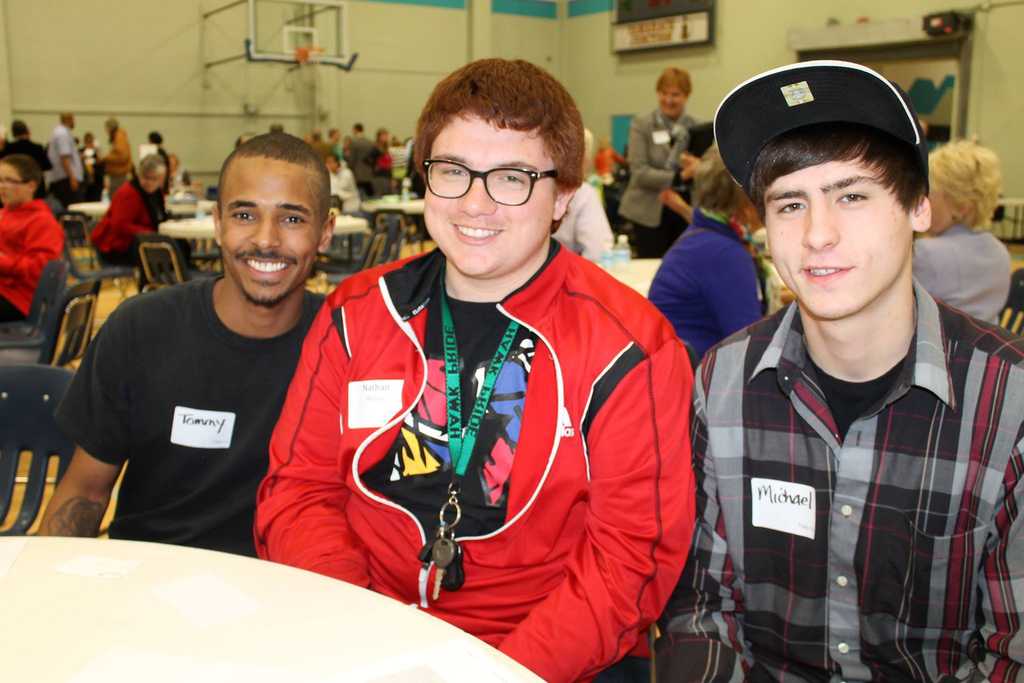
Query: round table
{"x": 92, "y": 209}
{"x": 97, "y": 209}
{"x": 637, "y": 273}
{"x": 203, "y": 228}
{"x": 411, "y": 207}
{"x": 103, "y": 611}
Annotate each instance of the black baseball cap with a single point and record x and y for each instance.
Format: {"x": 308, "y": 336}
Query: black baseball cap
{"x": 823, "y": 91}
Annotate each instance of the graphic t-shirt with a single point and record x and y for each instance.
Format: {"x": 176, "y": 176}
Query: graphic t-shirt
{"x": 418, "y": 470}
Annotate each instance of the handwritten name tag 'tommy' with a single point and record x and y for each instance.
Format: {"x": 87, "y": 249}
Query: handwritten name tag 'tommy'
{"x": 783, "y": 506}
{"x": 202, "y": 428}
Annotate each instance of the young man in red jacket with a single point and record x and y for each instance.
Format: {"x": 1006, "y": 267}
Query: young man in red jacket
{"x": 502, "y": 385}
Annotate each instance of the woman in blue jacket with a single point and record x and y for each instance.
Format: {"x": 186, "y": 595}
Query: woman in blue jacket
{"x": 706, "y": 285}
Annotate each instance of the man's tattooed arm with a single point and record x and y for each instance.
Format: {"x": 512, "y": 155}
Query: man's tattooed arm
{"x": 75, "y": 517}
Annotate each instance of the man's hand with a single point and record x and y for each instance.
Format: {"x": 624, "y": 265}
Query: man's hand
{"x": 65, "y": 161}
{"x": 674, "y": 201}
{"x": 687, "y": 165}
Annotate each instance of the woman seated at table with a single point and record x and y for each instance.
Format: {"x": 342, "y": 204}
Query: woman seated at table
{"x": 706, "y": 285}
{"x": 30, "y": 236}
{"x": 964, "y": 265}
{"x": 137, "y": 207}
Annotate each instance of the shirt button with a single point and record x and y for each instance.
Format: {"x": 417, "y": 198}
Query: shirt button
{"x": 841, "y": 580}
{"x": 843, "y": 648}
{"x": 846, "y": 510}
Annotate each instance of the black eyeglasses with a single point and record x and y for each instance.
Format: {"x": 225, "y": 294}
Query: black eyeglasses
{"x": 508, "y": 186}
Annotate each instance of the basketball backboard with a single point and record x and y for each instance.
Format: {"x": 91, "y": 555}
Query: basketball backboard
{"x": 297, "y": 32}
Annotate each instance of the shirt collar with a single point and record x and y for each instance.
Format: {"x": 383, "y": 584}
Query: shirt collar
{"x": 787, "y": 354}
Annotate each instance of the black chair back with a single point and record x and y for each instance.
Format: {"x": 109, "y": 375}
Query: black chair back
{"x": 162, "y": 262}
{"x": 44, "y": 311}
{"x": 76, "y": 323}
{"x": 29, "y": 395}
{"x": 1012, "y": 316}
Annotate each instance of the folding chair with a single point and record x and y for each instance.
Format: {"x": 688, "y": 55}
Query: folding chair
{"x": 161, "y": 260}
{"x": 29, "y": 341}
{"x": 29, "y": 395}
{"x": 83, "y": 261}
{"x": 1013, "y": 313}
{"x": 64, "y": 337}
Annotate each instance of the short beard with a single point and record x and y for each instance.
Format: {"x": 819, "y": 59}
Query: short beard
{"x": 265, "y": 303}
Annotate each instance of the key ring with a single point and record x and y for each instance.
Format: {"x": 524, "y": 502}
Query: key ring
{"x": 453, "y": 505}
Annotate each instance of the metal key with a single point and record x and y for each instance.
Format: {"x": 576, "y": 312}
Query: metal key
{"x": 442, "y": 554}
{"x": 454, "y": 575}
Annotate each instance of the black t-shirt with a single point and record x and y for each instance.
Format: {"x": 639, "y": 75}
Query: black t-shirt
{"x": 190, "y": 405}
{"x": 849, "y": 401}
{"x": 417, "y": 472}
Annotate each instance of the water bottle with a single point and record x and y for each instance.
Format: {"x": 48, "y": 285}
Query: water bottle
{"x": 620, "y": 252}
{"x": 406, "y": 188}
{"x": 106, "y": 196}
{"x": 605, "y": 259}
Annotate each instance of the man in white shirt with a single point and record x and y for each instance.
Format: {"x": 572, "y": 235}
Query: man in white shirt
{"x": 65, "y": 178}
{"x": 343, "y": 183}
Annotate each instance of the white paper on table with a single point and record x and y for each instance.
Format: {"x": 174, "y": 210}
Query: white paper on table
{"x": 126, "y": 664}
{"x": 10, "y": 548}
{"x": 95, "y": 566}
{"x": 206, "y": 599}
{"x": 452, "y": 661}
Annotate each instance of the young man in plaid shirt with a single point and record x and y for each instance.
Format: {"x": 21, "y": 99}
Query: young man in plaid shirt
{"x": 858, "y": 454}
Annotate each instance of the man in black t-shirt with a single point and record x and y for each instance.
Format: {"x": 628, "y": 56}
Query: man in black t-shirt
{"x": 23, "y": 144}
{"x": 182, "y": 386}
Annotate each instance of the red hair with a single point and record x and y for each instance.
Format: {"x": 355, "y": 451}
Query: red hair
{"x": 511, "y": 94}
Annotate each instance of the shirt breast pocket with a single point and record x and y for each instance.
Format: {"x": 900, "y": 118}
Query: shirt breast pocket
{"x": 941, "y": 574}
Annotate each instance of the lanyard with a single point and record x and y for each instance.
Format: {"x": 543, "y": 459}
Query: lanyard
{"x": 461, "y": 442}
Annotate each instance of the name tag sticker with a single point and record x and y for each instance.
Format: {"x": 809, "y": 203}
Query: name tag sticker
{"x": 371, "y": 403}
{"x": 202, "y": 428}
{"x": 783, "y": 506}
{"x": 660, "y": 137}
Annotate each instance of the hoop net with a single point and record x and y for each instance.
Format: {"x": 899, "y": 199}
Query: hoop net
{"x": 308, "y": 54}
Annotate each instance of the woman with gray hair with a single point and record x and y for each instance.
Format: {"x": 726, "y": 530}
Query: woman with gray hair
{"x": 136, "y": 207}
{"x": 964, "y": 265}
{"x": 706, "y": 285}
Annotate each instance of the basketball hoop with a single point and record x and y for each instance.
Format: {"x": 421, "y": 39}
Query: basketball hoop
{"x": 308, "y": 54}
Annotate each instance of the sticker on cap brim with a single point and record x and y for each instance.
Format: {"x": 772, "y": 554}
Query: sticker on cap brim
{"x": 797, "y": 93}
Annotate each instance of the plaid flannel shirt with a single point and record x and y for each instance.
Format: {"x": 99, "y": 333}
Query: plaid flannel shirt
{"x": 916, "y": 566}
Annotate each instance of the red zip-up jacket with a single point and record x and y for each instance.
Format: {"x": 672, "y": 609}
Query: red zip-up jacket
{"x": 601, "y": 500}
{"x": 30, "y": 237}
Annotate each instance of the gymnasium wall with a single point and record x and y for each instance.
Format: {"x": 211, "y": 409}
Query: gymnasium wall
{"x": 144, "y": 62}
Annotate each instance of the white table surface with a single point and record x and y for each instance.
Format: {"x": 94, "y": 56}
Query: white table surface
{"x": 413, "y": 207}
{"x": 97, "y": 209}
{"x": 203, "y": 228}
{"x": 638, "y": 273}
{"x": 94, "y": 209}
{"x": 99, "y": 611}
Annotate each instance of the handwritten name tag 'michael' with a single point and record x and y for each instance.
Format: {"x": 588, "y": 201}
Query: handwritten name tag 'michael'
{"x": 202, "y": 428}
{"x": 783, "y": 506}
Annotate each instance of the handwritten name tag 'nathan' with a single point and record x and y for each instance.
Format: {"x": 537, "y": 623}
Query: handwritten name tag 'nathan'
{"x": 783, "y": 506}
{"x": 202, "y": 428}
{"x": 373, "y": 402}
